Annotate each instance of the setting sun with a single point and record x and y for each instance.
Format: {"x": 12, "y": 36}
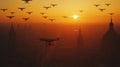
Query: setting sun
{"x": 75, "y": 16}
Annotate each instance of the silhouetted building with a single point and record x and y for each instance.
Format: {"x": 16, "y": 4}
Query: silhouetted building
{"x": 12, "y": 50}
{"x": 80, "y": 39}
{"x": 110, "y": 47}
{"x": 12, "y": 38}
{"x": 79, "y": 49}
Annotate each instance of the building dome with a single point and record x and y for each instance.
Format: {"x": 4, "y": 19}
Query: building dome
{"x": 110, "y": 47}
{"x": 111, "y": 38}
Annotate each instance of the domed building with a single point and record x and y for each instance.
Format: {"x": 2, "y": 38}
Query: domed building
{"x": 110, "y": 47}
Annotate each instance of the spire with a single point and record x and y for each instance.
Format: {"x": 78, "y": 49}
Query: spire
{"x": 12, "y": 31}
{"x": 80, "y": 39}
{"x": 12, "y": 37}
{"x": 12, "y": 50}
{"x": 111, "y": 25}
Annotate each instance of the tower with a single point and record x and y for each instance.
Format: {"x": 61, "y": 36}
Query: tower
{"x": 12, "y": 52}
{"x": 79, "y": 39}
{"x": 111, "y": 37}
{"x": 110, "y": 47}
{"x": 80, "y": 50}
{"x": 12, "y": 39}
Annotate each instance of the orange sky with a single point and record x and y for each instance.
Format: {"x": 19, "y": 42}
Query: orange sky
{"x": 64, "y": 8}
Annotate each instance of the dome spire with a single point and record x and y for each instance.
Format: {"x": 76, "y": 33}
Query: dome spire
{"x": 111, "y": 25}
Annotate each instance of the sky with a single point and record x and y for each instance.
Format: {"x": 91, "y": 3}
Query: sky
{"x": 90, "y": 13}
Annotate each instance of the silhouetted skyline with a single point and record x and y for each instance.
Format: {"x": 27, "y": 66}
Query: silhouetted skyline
{"x": 71, "y": 50}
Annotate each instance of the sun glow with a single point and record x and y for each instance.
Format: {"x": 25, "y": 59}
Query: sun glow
{"x": 75, "y": 16}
